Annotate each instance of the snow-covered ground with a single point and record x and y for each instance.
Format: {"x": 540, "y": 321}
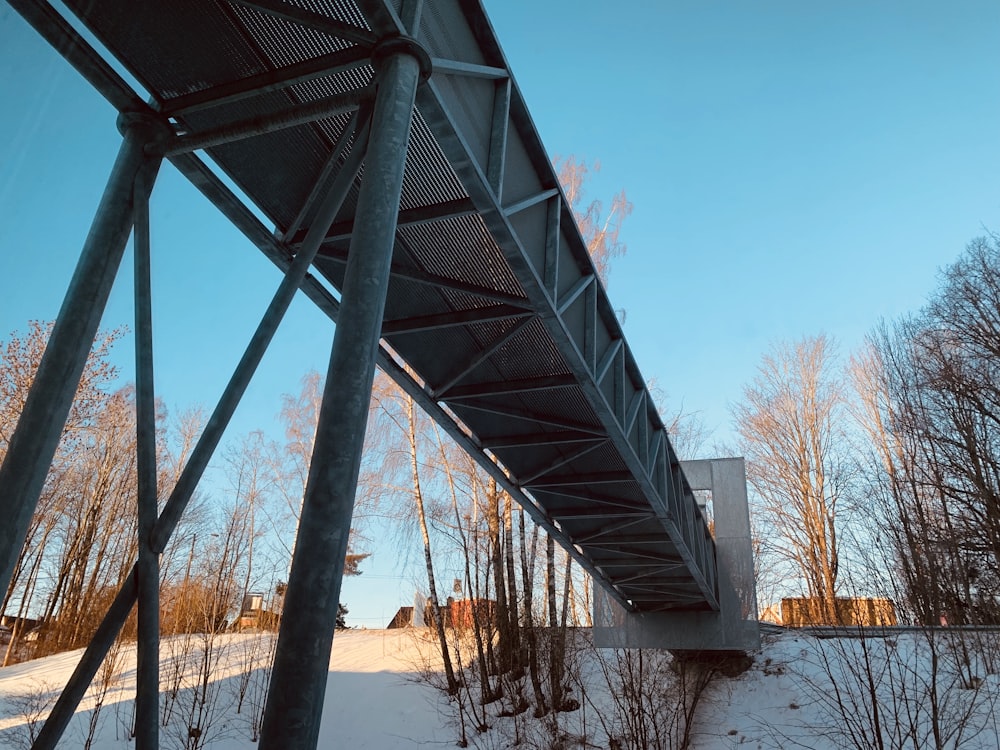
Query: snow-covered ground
{"x": 801, "y": 692}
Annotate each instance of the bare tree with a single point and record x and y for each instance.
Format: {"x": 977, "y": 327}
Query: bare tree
{"x": 791, "y": 432}
{"x": 98, "y": 539}
{"x": 902, "y": 481}
{"x": 930, "y": 383}
{"x": 19, "y": 358}
{"x": 395, "y": 408}
{"x": 299, "y": 415}
{"x": 600, "y": 228}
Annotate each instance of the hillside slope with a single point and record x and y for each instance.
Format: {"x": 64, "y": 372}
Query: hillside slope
{"x": 801, "y": 692}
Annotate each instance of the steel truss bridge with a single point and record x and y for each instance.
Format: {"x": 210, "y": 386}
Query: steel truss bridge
{"x": 412, "y": 201}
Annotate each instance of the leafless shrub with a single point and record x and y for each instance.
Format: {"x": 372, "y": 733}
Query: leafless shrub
{"x": 652, "y": 698}
{"x": 258, "y": 659}
{"x": 890, "y": 691}
{"x": 31, "y": 705}
{"x": 106, "y": 683}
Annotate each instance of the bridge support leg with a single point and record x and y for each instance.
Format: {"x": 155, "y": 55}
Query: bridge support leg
{"x": 34, "y": 442}
{"x": 147, "y": 689}
{"x": 104, "y": 637}
{"x": 301, "y": 663}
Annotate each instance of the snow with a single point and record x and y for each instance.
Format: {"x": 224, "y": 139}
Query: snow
{"x": 800, "y": 692}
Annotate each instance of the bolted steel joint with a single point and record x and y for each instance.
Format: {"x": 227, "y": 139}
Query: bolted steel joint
{"x": 401, "y": 45}
{"x": 147, "y": 126}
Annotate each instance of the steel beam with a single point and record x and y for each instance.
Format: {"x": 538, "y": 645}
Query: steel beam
{"x": 301, "y": 662}
{"x": 503, "y": 411}
{"x": 571, "y": 295}
{"x": 607, "y": 359}
{"x": 652, "y": 571}
{"x": 570, "y": 480}
{"x": 627, "y": 540}
{"x": 251, "y": 127}
{"x": 531, "y": 200}
{"x": 454, "y": 209}
{"x": 569, "y": 515}
{"x": 409, "y": 15}
{"x": 471, "y": 70}
{"x": 265, "y": 83}
{"x": 484, "y": 354}
{"x": 539, "y": 438}
{"x": 551, "y": 466}
{"x": 600, "y": 502}
{"x": 457, "y": 319}
{"x": 497, "y": 162}
{"x": 629, "y": 522}
{"x": 34, "y": 441}
{"x": 322, "y": 184}
{"x": 505, "y": 387}
{"x": 550, "y": 261}
{"x": 672, "y": 567}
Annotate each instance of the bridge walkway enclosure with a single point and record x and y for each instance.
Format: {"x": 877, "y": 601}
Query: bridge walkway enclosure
{"x": 411, "y": 199}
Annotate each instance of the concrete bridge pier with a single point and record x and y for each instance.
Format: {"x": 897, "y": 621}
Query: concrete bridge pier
{"x": 734, "y": 627}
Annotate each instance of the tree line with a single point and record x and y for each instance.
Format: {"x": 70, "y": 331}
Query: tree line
{"x": 81, "y": 543}
{"x": 881, "y": 475}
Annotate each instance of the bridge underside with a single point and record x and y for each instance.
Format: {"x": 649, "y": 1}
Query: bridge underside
{"x": 407, "y": 191}
{"x": 493, "y": 305}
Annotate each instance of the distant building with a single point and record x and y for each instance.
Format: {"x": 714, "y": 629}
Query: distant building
{"x": 253, "y": 615}
{"x": 22, "y": 623}
{"x": 457, "y": 613}
{"x": 771, "y": 613}
{"x": 797, "y": 612}
{"x": 402, "y": 619}
{"x": 463, "y": 613}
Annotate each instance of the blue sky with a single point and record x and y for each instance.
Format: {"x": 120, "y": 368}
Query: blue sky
{"x": 795, "y": 168}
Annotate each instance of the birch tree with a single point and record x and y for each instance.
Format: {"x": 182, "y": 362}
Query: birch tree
{"x": 600, "y": 227}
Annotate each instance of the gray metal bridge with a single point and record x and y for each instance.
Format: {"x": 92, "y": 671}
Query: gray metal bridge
{"x": 412, "y": 200}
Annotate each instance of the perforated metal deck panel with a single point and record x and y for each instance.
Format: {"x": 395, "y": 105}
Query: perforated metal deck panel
{"x": 495, "y": 321}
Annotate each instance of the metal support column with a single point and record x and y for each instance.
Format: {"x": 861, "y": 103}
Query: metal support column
{"x": 117, "y": 613}
{"x": 147, "y": 687}
{"x": 40, "y": 426}
{"x": 301, "y": 663}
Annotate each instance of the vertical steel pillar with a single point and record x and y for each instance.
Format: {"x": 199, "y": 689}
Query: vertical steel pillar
{"x": 36, "y": 436}
{"x": 147, "y": 687}
{"x": 301, "y": 663}
{"x": 52, "y": 731}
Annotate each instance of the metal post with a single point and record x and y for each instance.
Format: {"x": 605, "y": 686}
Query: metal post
{"x": 118, "y": 612}
{"x": 147, "y": 688}
{"x": 301, "y": 663}
{"x": 36, "y": 436}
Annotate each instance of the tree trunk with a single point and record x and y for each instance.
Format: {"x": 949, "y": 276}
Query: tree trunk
{"x": 515, "y": 620}
{"x": 530, "y": 633}
{"x": 418, "y": 498}
{"x": 505, "y": 649}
